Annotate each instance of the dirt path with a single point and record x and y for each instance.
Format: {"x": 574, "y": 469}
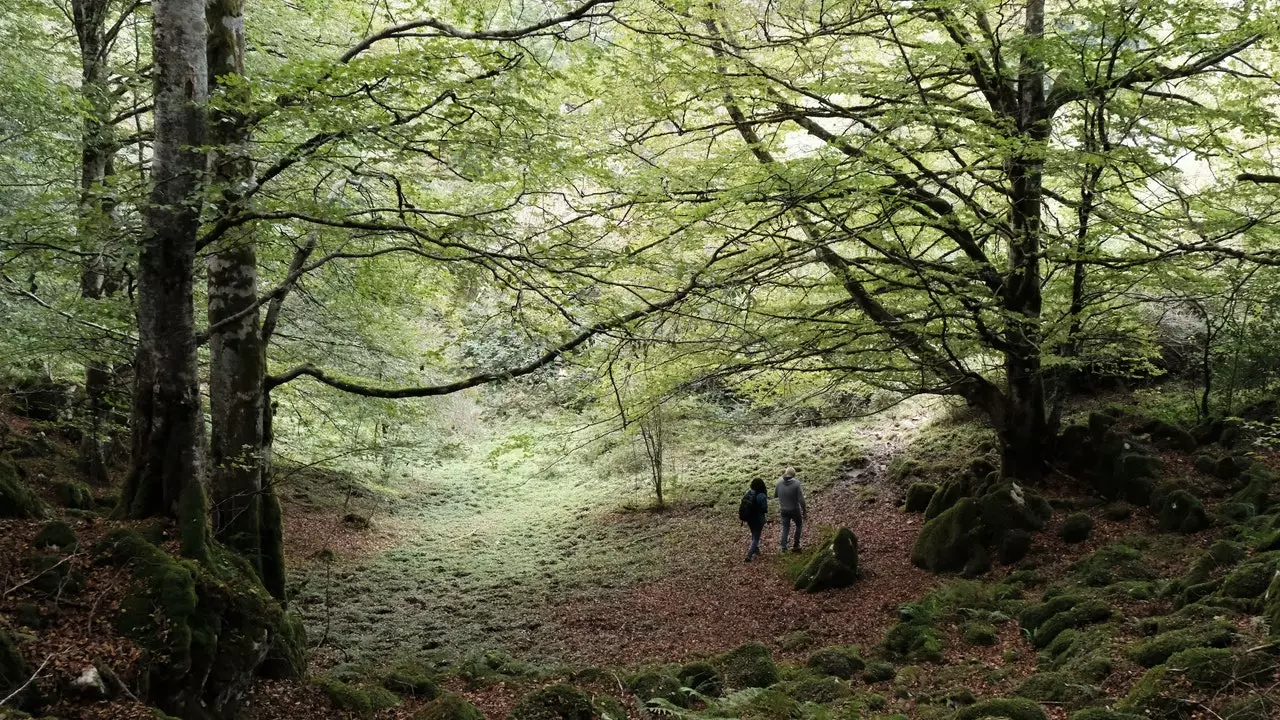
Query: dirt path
{"x": 708, "y": 600}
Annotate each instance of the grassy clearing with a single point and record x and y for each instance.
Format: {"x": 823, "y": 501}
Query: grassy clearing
{"x": 510, "y": 517}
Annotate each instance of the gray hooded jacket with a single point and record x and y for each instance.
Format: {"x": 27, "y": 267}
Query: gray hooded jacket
{"x": 791, "y": 497}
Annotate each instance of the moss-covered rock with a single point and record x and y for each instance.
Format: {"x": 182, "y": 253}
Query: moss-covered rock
{"x": 206, "y": 628}
{"x": 362, "y": 699}
{"x": 835, "y": 565}
{"x": 879, "y": 671}
{"x": 822, "y": 690}
{"x": 56, "y": 534}
{"x": 52, "y": 573}
{"x": 839, "y": 661}
{"x": 1157, "y": 650}
{"x": 1219, "y": 668}
{"x": 945, "y": 498}
{"x": 1251, "y": 579}
{"x": 16, "y": 499}
{"x": 555, "y": 702}
{"x": 1113, "y": 563}
{"x": 1015, "y": 546}
{"x": 1257, "y": 490}
{"x": 1221, "y": 554}
{"x": 660, "y": 684}
{"x": 914, "y": 641}
{"x": 13, "y": 670}
{"x": 1180, "y": 511}
{"x": 1076, "y": 528}
{"x": 980, "y": 633}
{"x": 748, "y": 666}
{"x": 1011, "y": 708}
{"x": 74, "y": 495}
{"x": 1057, "y": 687}
{"x": 702, "y": 677}
{"x": 1152, "y": 695}
{"x": 918, "y": 497}
{"x": 949, "y": 541}
{"x": 411, "y": 679}
{"x": 448, "y": 707}
{"x": 1168, "y": 436}
{"x": 1085, "y": 613}
{"x": 1036, "y": 615}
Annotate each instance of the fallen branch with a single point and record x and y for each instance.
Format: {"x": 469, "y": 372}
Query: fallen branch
{"x": 30, "y": 680}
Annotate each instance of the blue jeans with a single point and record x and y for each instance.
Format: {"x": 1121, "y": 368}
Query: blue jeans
{"x": 787, "y": 519}
{"x": 755, "y": 540}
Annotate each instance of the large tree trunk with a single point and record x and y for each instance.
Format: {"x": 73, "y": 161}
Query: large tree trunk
{"x": 1026, "y": 435}
{"x": 167, "y": 473}
{"x": 97, "y": 152}
{"x": 246, "y": 514}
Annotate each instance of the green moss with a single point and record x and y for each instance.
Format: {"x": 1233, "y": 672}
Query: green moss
{"x": 1272, "y": 607}
{"x": 980, "y": 633}
{"x": 702, "y": 677}
{"x": 1150, "y": 695}
{"x": 16, "y": 499}
{"x": 1257, "y": 492}
{"x": 1113, "y": 563}
{"x": 1033, "y": 617}
{"x": 1011, "y": 708}
{"x": 13, "y": 669}
{"x": 74, "y": 495}
{"x": 1076, "y": 528}
{"x": 1180, "y": 511}
{"x": 915, "y": 641}
{"x": 1085, "y": 613}
{"x": 1217, "y": 668}
{"x": 488, "y": 667}
{"x": 1158, "y": 649}
{"x": 949, "y": 541}
{"x": 360, "y": 699}
{"x": 835, "y": 565}
{"x": 652, "y": 684}
{"x": 748, "y": 666}
{"x": 918, "y": 497}
{"x": 944, "y": 498}
{"x": 1251, "y": 579}
{"x": 770, "y": 704}
{"x": 411, "y": 679}
{"x": 555, "y": 702}
{"x": 1117, "y": 511}
{"x": 1045, "y": 687}
{"x": 822, "y": 690}
{"x": 1223, "y": 553}
{"x": 448, "y": 707}
{"x": 879, "y": 671}
{"x": 56, "y": 534}
{"x": 841, "y": 661}
{"x": 1103, "y": 714}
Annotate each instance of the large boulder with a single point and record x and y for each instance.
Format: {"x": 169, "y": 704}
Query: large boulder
{"x": 948, "y": 542}
{"x": 206, "y": 629}
{"x": 834, "y": 566}
{"x": 918, "y": 497}
{"x": 960, "y": 538}
{"x": 1180, "y": 511}
{"x": 748, "y": 666}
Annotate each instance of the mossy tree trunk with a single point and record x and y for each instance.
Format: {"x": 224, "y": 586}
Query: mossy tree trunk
{"x": 166, "y": 477}
{"x": 246, "y": 514}
{"x": 98, "y": 148}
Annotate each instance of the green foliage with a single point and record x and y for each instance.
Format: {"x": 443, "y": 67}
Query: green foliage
{"x": 980, "y": 633}
{"x": 659, "y": 684}
{"x": 824, "y": 690}
{"x": 555, "y": 702}
{"x": 1112, "y": 563}
{"x": 1079, "y": 615}
{"x": 702, "y": 677}
{"x": 879, "y": 671}
{"x": 914, "y": 640}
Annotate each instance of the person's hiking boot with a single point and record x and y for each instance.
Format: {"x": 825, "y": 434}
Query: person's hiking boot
{"x": 795, "y": 548}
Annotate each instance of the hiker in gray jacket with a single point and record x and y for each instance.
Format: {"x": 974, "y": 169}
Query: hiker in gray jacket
{"x": 792, "y": 506}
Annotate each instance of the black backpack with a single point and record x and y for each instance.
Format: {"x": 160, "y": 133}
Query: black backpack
{"x": 747, "y": 509}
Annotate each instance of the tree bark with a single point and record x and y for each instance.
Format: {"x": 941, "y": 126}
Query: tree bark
{"x": 166, "y": 476}
{"x": 95, "y": 207}
{"x": 246, "y": 514}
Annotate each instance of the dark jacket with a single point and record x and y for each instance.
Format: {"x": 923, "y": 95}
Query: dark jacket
{"x": 762, "y": 509}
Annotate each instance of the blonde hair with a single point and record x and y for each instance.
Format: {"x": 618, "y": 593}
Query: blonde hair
{"x": 789, "y": 472}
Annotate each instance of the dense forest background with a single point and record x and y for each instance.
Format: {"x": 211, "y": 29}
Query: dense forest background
{"x": 341, "y": 342}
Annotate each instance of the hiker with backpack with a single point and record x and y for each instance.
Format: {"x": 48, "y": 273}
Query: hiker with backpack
{"x": 752, "y": 510}
{"x": 791, "y": 506}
